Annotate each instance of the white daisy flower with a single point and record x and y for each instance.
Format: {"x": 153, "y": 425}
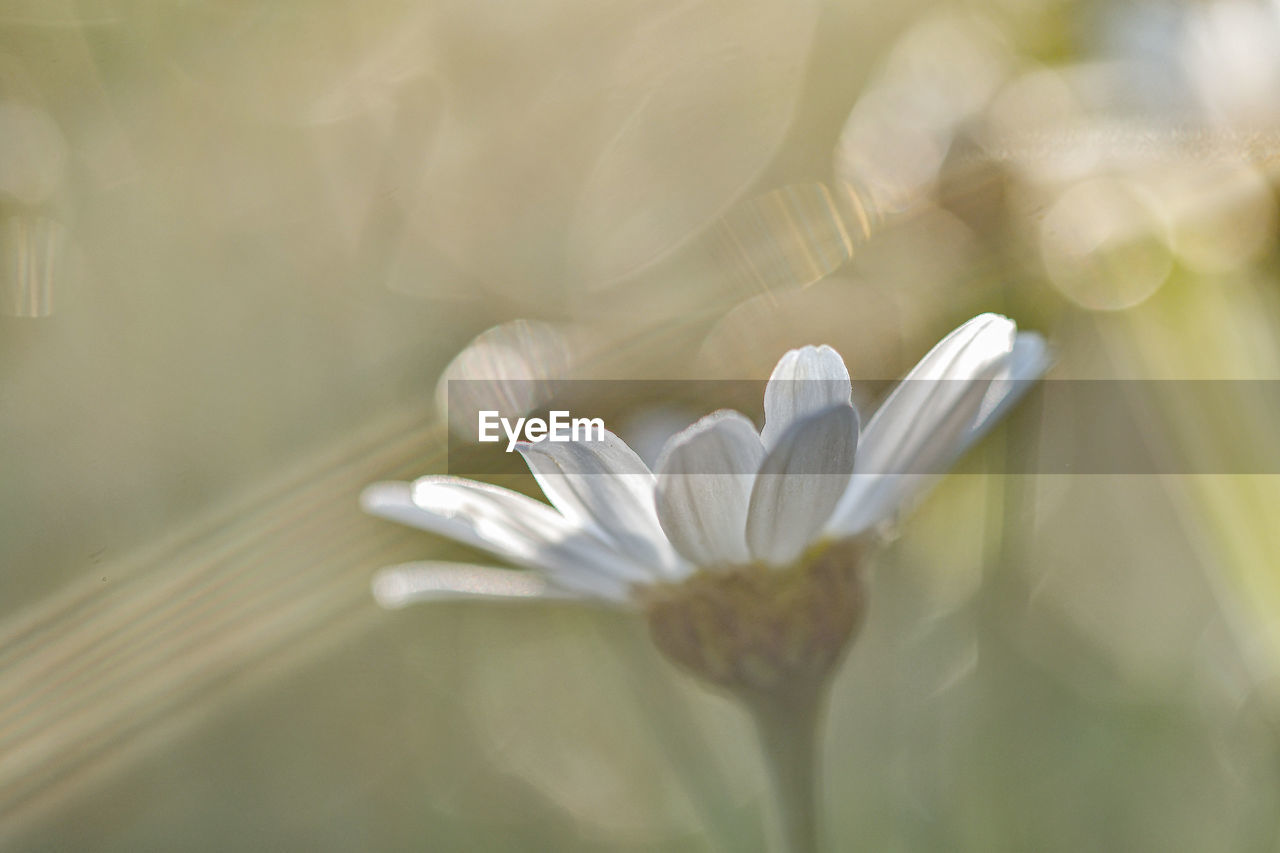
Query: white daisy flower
{"x": 743, "y": 549}
{"x": 614, "y": 528}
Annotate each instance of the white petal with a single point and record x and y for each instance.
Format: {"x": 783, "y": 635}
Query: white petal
{"x": 394, "y": 502}
{"x": 938, "y": 399}
{"x": 605, "y": 487}
{"x": 397, "y": 586}
{"x": 1028, "y": 361}
{"x": 704, "y": 486}
{"x": 873, "y": 499}
{"x": 800, "y": 483}
{"x": 511, "y": 526}
{"x": 925, "y": 422}
{"x": 806, "y": 381}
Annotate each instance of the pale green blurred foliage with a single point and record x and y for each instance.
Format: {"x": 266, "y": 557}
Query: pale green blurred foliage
{"x": 243, "y": 243}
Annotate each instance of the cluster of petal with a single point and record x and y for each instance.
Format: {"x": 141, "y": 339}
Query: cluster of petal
{"x": 722, "y": 493}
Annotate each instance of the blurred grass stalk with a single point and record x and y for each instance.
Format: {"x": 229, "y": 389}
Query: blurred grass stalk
{"x": 1207, "y": 329}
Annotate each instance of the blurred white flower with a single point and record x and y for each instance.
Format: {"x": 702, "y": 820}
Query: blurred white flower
{"x": 1231, "y": 52}
{"x": 723, "y": 496}
{"x": 938, "y": 76}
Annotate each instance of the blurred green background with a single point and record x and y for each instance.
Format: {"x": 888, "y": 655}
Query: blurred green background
{"x": 242, "y": 244}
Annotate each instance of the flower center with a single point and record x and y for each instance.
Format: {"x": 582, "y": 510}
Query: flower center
{"x": 761, "y": 631}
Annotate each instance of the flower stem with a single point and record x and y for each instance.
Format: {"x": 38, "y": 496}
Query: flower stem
{"x": 788, "y": 729}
